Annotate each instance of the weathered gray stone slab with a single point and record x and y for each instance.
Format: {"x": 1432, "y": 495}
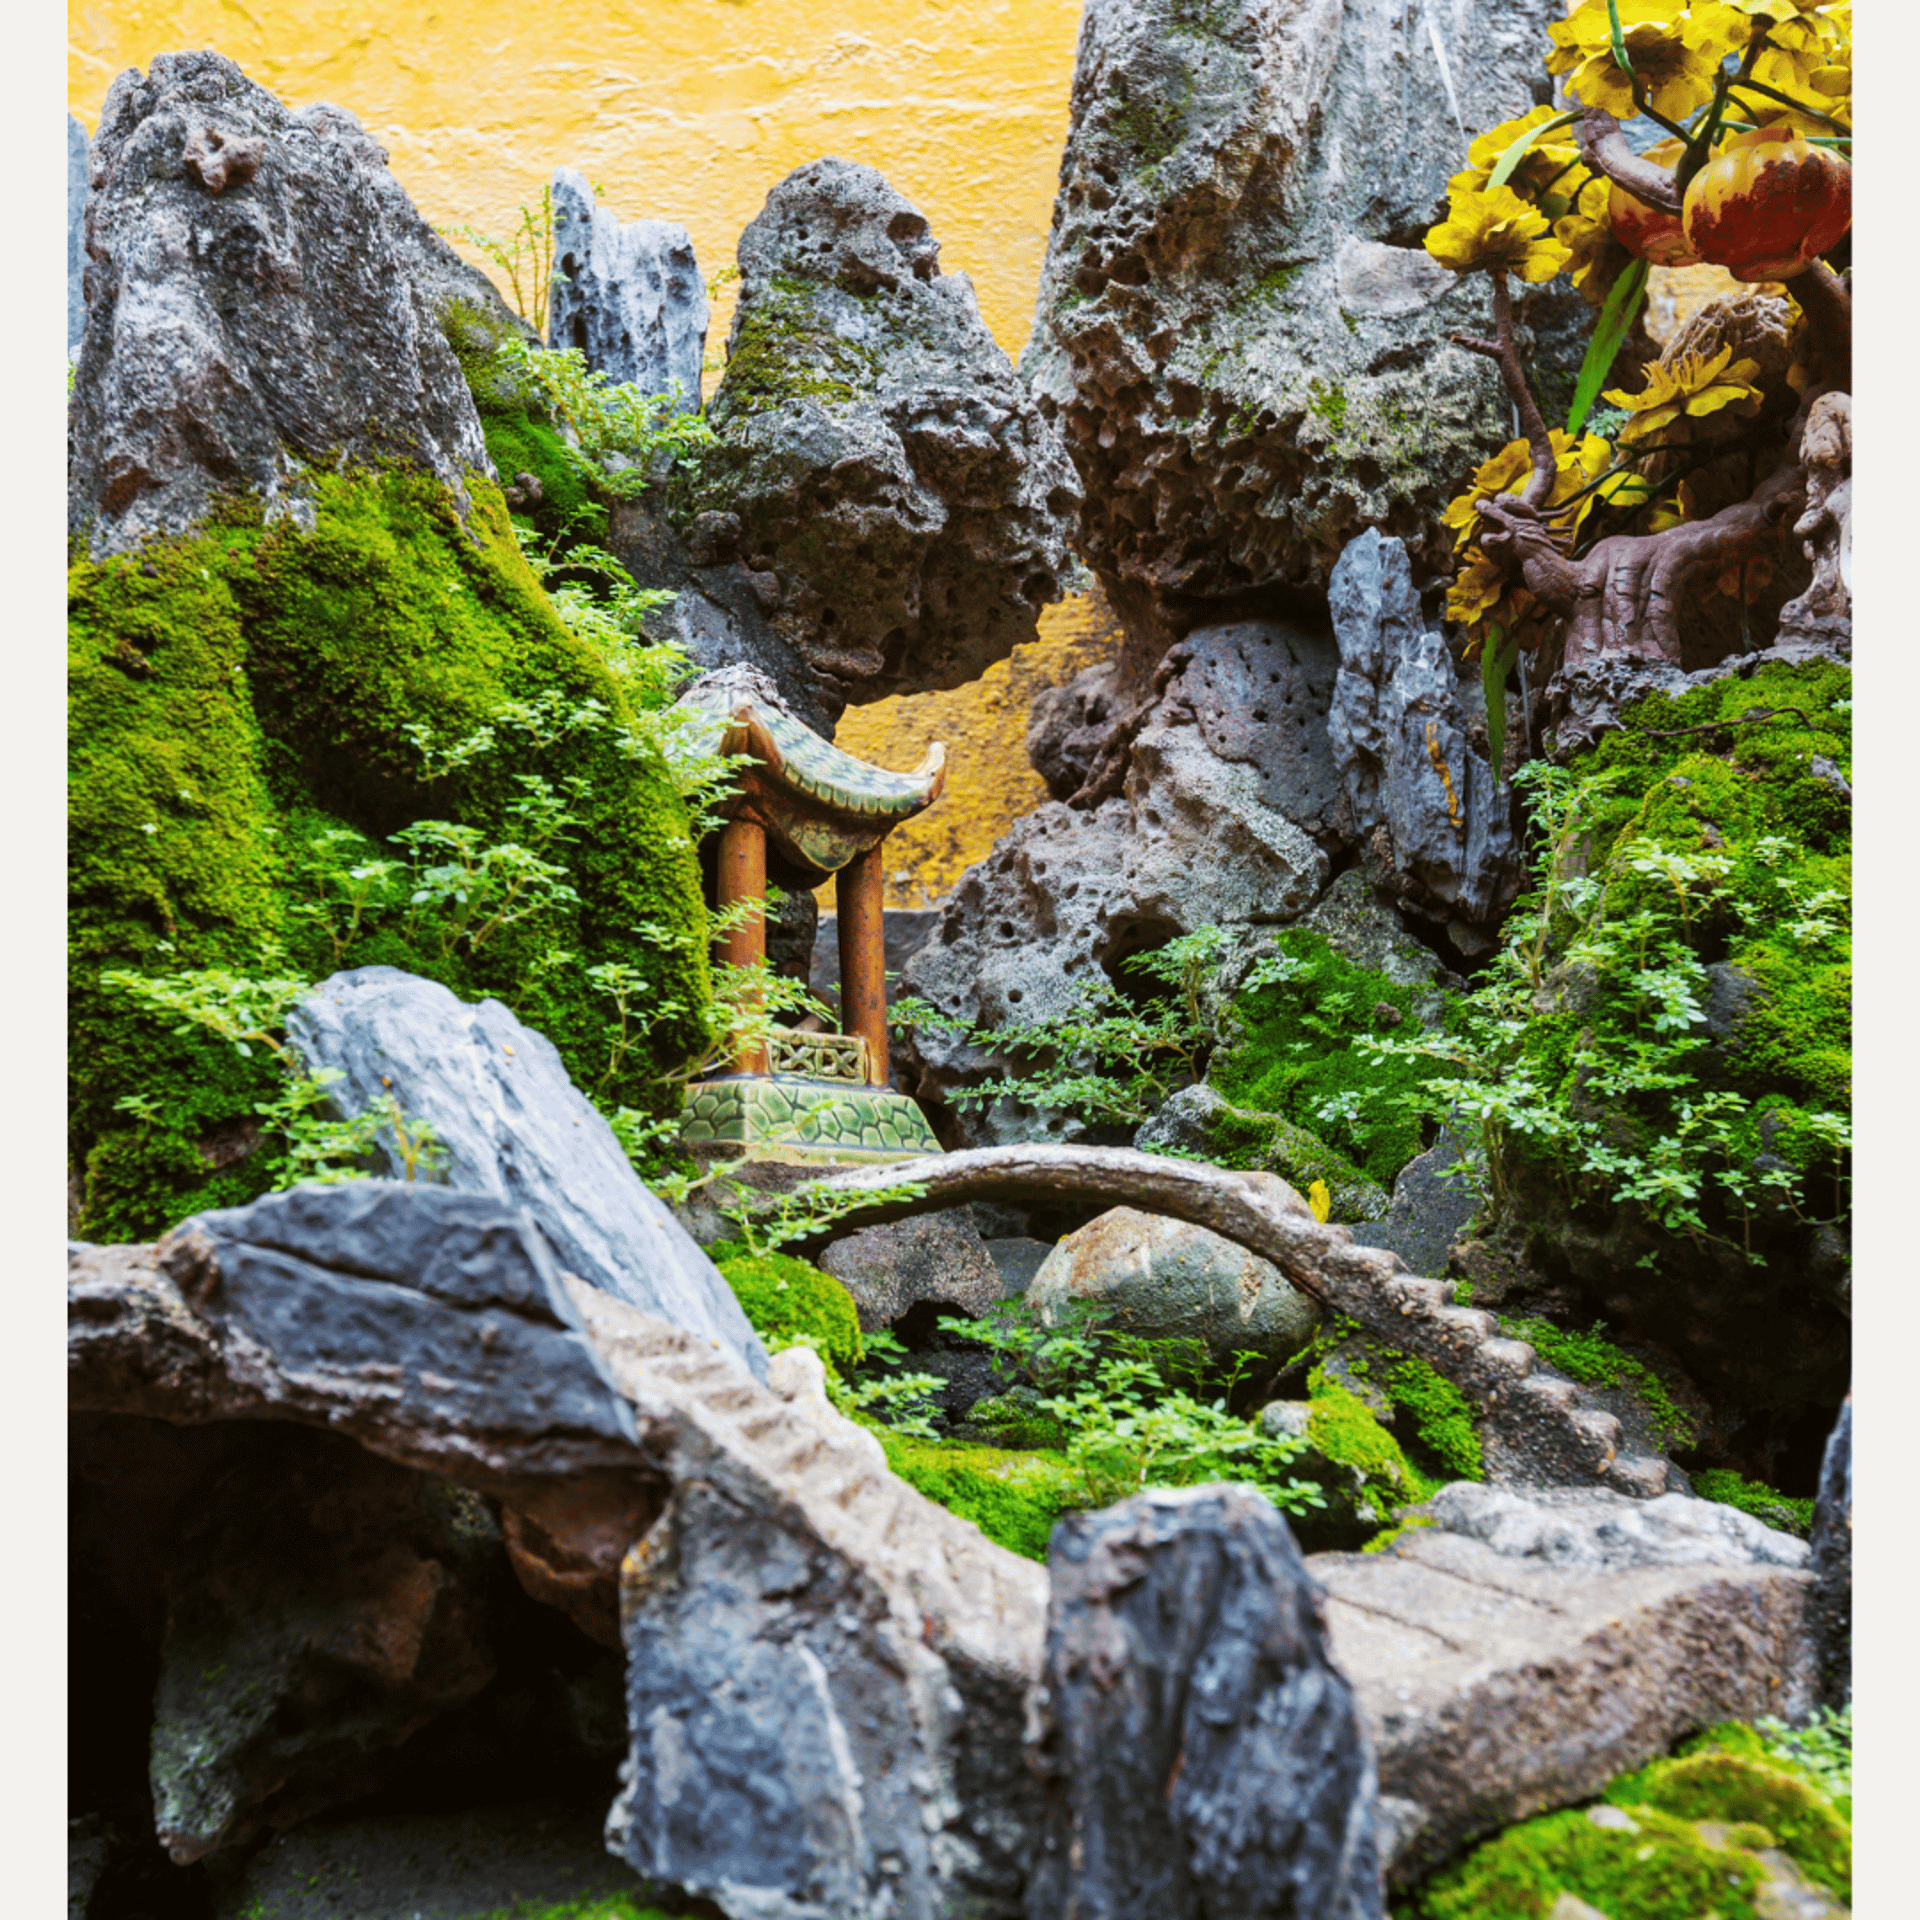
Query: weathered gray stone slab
{"x": 514, "y": 1125}
{"x": 78, "y": 188}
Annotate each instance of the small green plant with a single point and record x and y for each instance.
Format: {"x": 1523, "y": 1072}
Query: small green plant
{"x": 623, "y": 438}
{"x": 1593, "y": 1360}
{"x": 1822, "y": 1749}
{"x": 525, "y": 257}
{"x": 1781, "y": 1510}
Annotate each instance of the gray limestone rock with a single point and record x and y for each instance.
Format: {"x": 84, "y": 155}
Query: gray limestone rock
{"x": 1832, "y": 1564}
{"x": 932, "y": 1257}
{"x": 1167, "y": 1280}
{"x": 261, "y": 296}
{"x": 1017, "y": 1258}
{"x": 1242, "y": 334}
{"x": 454, "y": 1298}
{"x": 630, "y": 296}
{"x": 1399, "y": 740}
{"x": 78, "y": 188}
{"x": 826, "y": 1672}
{"x": 1066, "y": 896}
{"x": 1498, "y": 1687}
{"x": 1430, "y": 1211}
{"x": 1201, "y": 1751}
{"x": 514, "y": 1126}
{"x": 887, "y": 467}
{"x": 1595, "y": 1529}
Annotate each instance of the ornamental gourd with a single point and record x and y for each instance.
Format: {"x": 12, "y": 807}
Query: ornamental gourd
{"x": 1768, "y": 204}
{"x": 1646, "y": 230}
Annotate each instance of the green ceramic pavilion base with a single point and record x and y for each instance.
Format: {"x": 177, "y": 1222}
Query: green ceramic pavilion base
{"x": 825, "y": 1122}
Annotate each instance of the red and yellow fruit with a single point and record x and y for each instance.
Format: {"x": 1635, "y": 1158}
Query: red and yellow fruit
{"x": 1646, "y": 230}
{"x": 1768, "y": 204}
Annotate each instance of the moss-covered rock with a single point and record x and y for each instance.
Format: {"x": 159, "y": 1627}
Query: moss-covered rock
{"x": 239, "y": 694}
{"x": 1297, "y": 1057}
{"x": 1013, "y": 1498}
{"x": 786, "y": 1300}
{"x": 1688, "y": 1837}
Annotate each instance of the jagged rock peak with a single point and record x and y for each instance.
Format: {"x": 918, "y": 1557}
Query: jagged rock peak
{"x": 1238, "y": 327}
{"x": 261, "y": 295}
{"x": 886, "y": 464}
{"x": 628, "y": 295}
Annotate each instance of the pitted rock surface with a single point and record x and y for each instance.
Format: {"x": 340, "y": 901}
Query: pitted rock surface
{"x": 515, "y": 1127}
{"x": 1067, "y": 895}
{"x": 628, "y": 295}
{"x": 78, "y": 188}
{"x": 1243, "y": 336}
{"x": 261, "y": 295}
{"x": 888, "y": 470}
{"x": 937, "y": 1257}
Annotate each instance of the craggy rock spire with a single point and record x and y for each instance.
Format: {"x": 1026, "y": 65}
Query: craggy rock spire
{"x": 881, "y": 459}
{"x": 261, "y": 295}
{"x": 1238, "y": 327}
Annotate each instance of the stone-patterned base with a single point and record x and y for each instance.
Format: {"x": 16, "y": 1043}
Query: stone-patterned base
{"x": 778, "y": 1117}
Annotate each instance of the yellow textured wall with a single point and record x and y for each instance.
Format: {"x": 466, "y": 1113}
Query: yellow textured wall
{"x": 685, "y": 110}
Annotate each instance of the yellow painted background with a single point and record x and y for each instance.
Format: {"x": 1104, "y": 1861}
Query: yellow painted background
{"x": 691, "y": 110}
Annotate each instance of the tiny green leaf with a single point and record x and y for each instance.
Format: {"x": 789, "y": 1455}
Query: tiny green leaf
{"x": 1504, "y": 167}
{"x": 1609, "y": 334}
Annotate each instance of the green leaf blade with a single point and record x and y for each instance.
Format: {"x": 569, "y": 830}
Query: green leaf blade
{"x": 1610, "y": 331}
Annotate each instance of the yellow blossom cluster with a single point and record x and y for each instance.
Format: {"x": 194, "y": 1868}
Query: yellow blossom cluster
{"x": 1677, "y": 398}
{"x": 1494, "y": 227}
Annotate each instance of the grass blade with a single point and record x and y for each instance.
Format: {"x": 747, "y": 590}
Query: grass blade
{"x": 1497, "y": 655}
{"x": 1609, "y": 333}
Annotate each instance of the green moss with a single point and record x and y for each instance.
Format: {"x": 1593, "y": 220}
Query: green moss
{"x": 1729, "y": 1774}
{"x": 612, "y": 1906}
{"x": 1013, "y": 1498}
{"x": 1665, "y": 1867}
{"x": 1269, "y": 1143}
{"x": 1328, "y": 402}
{"x": 785, "y": 1300}
{"x": 1782, "y": 1510}
{"x": 1442, "y": 1417}
{"x": 1297, "y": 1057}
{"x": 786, "y": 349}
{"x": 1340, "y": 1425}
{"x": 1661, "y": 1871}
{"x": 234, "y": 694}
{"x": 1593, "y": 1360}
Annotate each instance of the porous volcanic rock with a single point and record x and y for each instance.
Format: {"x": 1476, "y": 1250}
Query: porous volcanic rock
{"x": 1238, "y": 325}
{"x": 261, "y": 295}
{"x": 515, "y": 1126}
{"x": 886, "y": 466}
{"x": 1068, "y": 895}
{"x": 1201, "y": 1751}
{"x": 628, "y": 295}
{"x": 937, "y": 1257}
{"x": 1168, "y": 1280}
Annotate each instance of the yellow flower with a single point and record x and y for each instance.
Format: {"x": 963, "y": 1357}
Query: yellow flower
{"x": 1320, "y": 1200}
{"x": 1496, "y": 229}
{"x": 1695, "y": 387}
{"x": 1675, "y": 52}
{"x": 1576, "y": 463}
{"x": 1797, "y": 38}
{"x": 1595, "y": 259}
{"x": 1547, "y": 156}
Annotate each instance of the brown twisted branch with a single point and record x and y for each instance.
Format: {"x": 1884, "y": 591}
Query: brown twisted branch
{"x": 1506, "y": 356}
{"x": 1604, "y": 148}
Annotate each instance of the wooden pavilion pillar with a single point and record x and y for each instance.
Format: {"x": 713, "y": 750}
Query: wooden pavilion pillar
{"x": 743, "y": 876}
{"x": 863, "y": 957}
